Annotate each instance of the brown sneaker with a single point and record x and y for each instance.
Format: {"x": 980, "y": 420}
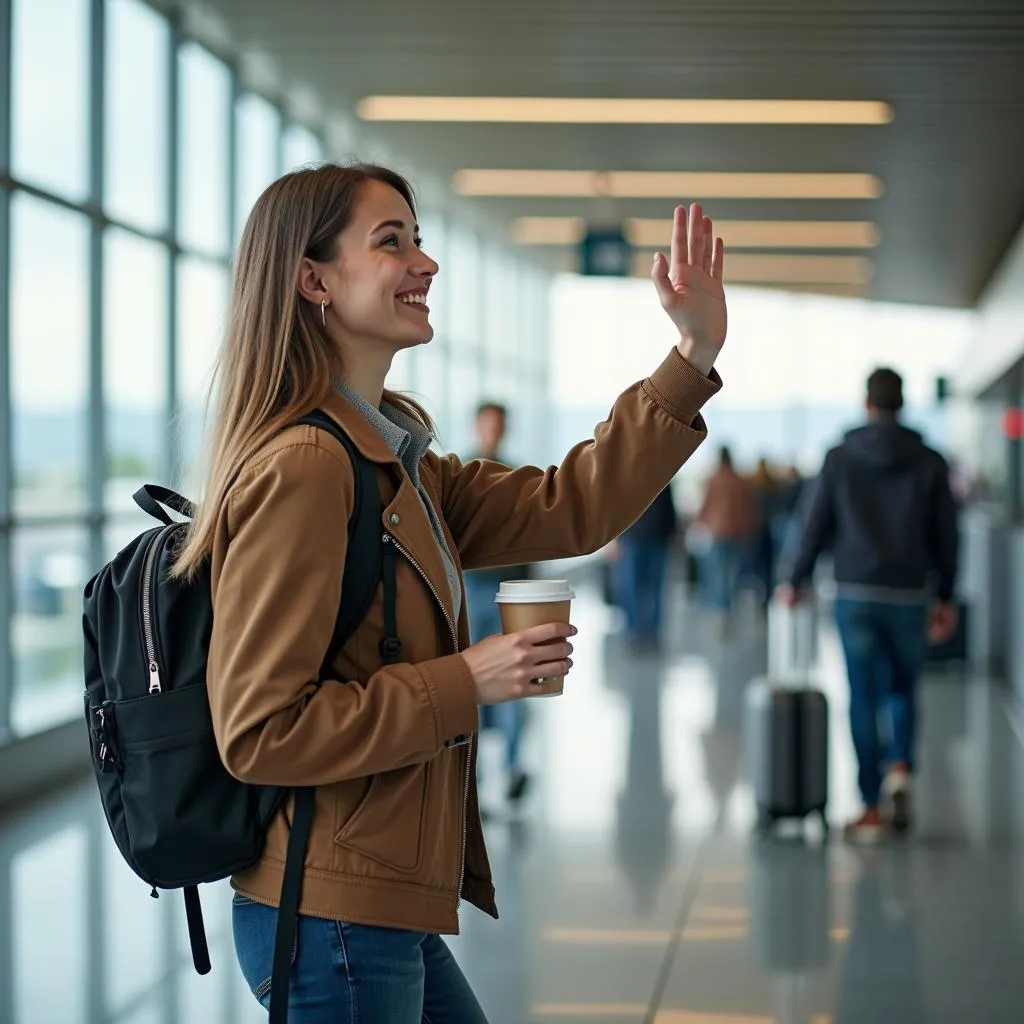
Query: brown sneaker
{"x": 867, "y": 830}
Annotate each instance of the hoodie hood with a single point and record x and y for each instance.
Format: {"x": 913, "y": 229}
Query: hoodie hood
{"x": 884, "y": 445}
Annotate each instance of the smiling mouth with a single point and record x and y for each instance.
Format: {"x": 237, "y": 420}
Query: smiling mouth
{"x": 417, "y": 302}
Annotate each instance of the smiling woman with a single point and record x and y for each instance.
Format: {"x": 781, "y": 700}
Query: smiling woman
{"x": 331, "y": 284}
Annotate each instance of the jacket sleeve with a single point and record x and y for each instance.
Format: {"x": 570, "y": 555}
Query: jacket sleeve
{"x": 944, "y": 534}
{"x": 277, "y": 567}
{"x": 500, "y": 516}
{"x": 817, "y": 527}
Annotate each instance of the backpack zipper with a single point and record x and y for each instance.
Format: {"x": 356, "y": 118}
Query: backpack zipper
{"x": 148, "y": 632}
{"x": 388, "y": 539}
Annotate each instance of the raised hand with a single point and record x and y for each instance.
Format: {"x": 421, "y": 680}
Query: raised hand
{"x": 690, "y": 287}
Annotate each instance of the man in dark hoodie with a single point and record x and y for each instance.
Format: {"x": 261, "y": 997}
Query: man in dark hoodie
{"x": 884, "y": 507}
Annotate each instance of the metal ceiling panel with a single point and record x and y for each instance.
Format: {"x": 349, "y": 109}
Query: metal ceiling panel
{"x": 952, "y": 161}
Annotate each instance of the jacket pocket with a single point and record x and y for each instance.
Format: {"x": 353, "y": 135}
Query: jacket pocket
{"x": 387, "y": 825}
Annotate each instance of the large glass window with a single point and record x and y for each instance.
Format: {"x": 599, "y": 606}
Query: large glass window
{"x": 300, "y": 147}
{"x": 134, "y": 364}
{"x": 50, "y": 569}
{"x": 50, "y": 94}
{"x": 49, "y": 355}
{"x": 465, "y": 289}
{"x": 50, "y": 964}
{"x": 432, "y": 388}
{"x": 205, "y": 106}
{"x": 202, "y": 297}
{"x": 259, "y": 131}
{"x": 501, "y": 308}
{"x": 170, "y": 117}
{"x": 135, "y": 155}
{"x": 464, "y": 375}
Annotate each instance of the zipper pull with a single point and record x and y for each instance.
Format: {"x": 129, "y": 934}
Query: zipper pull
{"x": 154, "y": 678}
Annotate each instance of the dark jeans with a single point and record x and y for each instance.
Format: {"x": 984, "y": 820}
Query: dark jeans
{"x": 354, "y": 974}
{"x": 640, "y": 583}
{"x": 885, "y": 646}
{"x": 484, "y": 621}
{"x": 720, "y": 573}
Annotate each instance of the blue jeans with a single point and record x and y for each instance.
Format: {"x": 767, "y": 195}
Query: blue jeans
{"x": 720, "y": 573}
{"x": 485, "y": 621}
{"x": 885, "y": 647}
{"x": 640, "y": 584}
{"x": 355, "y": 974}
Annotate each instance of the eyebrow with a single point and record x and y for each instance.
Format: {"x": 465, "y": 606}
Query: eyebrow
{"x": 399, "y": 224}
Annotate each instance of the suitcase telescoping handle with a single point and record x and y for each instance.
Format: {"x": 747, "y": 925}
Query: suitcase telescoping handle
{"x": 790, "y": 644}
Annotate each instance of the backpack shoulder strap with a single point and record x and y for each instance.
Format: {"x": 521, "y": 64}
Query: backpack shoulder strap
{"x": 363, "y": 564}
{"x": 365, "y": 541}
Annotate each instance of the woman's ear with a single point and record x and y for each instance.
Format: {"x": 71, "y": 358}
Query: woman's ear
{"x": 310, "y": 283}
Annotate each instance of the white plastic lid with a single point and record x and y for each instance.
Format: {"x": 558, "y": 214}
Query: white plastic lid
{"x": 534, "y": 591}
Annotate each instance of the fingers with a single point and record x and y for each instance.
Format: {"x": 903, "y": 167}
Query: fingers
{"x": 679, "y": 243}
{"x": 547, "y": 632}
{"x": 709, "y": 245}
{"x": 693, "y": 244}
{"x": 696, "y": 235}
{"x": 718, "y": 260}
{"x": 544, "y": 654}
{"x": 660, "y": 277}
{"x": 547, "y": 669}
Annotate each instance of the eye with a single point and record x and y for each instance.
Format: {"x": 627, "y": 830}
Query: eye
{"x": 390, "y": 240}
{"x": 418, "y": 242}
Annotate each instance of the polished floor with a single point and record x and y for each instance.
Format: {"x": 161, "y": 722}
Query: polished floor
{"x": 630, "y": 887}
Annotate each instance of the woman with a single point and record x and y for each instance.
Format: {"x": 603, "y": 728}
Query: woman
{"x": 330, "y": 283}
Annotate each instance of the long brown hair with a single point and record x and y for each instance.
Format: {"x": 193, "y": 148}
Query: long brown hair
{"x": 277, "y": 361}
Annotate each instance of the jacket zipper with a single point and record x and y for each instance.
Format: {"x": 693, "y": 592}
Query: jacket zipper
{"x": 388, "y": 539}
{"x": 148, "y": 631}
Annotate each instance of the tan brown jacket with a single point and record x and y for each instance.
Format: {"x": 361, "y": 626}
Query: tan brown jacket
{"x": 396, "y": 835}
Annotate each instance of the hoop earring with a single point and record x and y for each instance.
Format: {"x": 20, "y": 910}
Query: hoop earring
{"x": 323, "y": 311}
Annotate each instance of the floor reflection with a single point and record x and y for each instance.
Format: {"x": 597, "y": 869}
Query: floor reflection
{"x": 629, "y": 885}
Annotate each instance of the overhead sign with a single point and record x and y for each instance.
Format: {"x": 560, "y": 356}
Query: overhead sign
{"x": 604, "y": 252}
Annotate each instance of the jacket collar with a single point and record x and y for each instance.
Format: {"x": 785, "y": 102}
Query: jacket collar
{"x": 383, "y": 435}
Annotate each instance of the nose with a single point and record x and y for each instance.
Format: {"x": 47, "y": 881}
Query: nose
{"x": 425, "y": 266}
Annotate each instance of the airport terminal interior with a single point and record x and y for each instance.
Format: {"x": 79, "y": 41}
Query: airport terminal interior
{"x": 863, "y": 164}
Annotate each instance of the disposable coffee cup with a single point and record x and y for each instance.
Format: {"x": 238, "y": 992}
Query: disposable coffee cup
{"x": 526, "y": 603}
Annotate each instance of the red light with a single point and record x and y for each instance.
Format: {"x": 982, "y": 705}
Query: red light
{"x": 1013, "y": 424}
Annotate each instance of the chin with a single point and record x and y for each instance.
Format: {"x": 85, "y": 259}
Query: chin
{"x": 416, "y": 338}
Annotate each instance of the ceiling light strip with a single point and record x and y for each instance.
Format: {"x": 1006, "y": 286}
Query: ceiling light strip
{"x": 665, "y": 184}
{"x": 737, "y": 234}
{"x": 774, "y": 269}
{"x": 621, "y": 110}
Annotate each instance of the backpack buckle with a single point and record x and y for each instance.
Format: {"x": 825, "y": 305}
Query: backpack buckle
{"x": 390, "y": 648}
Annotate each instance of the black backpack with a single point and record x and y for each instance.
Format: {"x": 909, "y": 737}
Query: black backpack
{"x": 178, "y": 817}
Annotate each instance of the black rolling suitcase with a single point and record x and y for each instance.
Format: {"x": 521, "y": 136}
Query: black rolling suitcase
{"x": 786, "y": 735}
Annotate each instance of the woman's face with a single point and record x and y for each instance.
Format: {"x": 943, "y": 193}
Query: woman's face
{"x": 379, "y": 280}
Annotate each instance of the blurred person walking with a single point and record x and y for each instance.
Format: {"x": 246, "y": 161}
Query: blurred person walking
{"x": 489, "y": 428}
{"x": 883, "y": 505}
{"x": 640, "y": 571}
{"x": 727, "y": 517}
{"x": 787, "y": 513}
{"x": 766, "y": 491}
